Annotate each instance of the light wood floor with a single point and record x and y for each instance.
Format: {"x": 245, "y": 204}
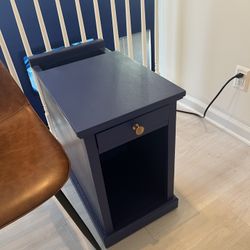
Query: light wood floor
{"x": 212, "y": 183}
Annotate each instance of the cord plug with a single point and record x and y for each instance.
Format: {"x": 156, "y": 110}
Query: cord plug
{"x": 239, "y": 75}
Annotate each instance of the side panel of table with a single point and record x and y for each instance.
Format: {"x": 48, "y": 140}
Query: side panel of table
{"x": 171, "y": 149}
{"x": 82, "y": 163}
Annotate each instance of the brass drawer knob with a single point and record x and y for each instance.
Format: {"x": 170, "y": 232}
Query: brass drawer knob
{"x": 139, "y": 130}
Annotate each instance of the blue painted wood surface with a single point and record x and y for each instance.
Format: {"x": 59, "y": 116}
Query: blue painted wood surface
{"x": 99, "y": 92}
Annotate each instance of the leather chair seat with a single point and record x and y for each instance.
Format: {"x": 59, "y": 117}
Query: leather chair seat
{"x": 33, "y": 165}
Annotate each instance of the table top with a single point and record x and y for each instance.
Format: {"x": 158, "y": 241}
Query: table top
{"x": 105, "y": 90}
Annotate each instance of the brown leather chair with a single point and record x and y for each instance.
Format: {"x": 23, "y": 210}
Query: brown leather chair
{"x": 33, "y": 165}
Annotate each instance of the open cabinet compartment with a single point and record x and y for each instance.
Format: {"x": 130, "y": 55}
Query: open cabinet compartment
{"x": 135, "y": 177}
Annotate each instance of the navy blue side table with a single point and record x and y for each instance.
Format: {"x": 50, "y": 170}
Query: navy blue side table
{"x": 116, "y": 121}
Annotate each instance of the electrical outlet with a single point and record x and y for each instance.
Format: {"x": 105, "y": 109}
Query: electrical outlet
{"x": 244, "y": 82}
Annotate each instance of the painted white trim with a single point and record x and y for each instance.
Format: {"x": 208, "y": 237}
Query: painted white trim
{"x": 129, "y": 30}
{"x": 156, "y": 24}
{"x": 115, "y": 26}
{"x": 143, "y": 34}
{"x": 80, "y": 21}
{"x": 42, "y": 25}
{"x": 62, "y": 23}
{"x": 9, "y": 61}
{"x": 21, "y": 29}
{"x": 98, "y": 19}
{"x": 218, "y": 118}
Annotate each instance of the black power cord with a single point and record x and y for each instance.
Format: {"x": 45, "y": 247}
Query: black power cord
{"x": 239, "y": 75}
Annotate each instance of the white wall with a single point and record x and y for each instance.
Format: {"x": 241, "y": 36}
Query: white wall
{"x": 201, "y": 42}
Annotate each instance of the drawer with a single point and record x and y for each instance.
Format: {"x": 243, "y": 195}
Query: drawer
{"x": 128, "y": 131}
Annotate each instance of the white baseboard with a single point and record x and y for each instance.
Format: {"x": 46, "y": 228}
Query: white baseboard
{"x": 221, "y": 120}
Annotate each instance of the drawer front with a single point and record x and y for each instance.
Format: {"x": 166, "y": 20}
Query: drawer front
{"x": 126, "y": 132}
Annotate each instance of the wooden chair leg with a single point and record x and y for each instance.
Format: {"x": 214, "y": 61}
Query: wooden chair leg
{"x": 76, "y": 218}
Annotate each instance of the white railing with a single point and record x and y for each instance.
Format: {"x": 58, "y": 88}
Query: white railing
{"x": 143, "y": 34}
{"x": 24, "y": 38}
{"x": 98, "y": 19}
{"x": 129, "y": 30}
{"x": 80, "y": 21}
{"x": 65, "y": 37}
{"x": 62, "y": 23}
{"x": 115, "y": 26}
{"x": 42, "y": 25}
{"x": 8, "y": 60}
{"x": 156, "y": 36}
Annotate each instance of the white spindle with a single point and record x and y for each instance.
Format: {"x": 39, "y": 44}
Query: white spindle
{"x": 42, "y": 25}
{"x": 8, "y": 60}
{"x": 98, "y": 19}
{"x": 156, "y": 36}
{"x": 21, "y": 28}
{"x": 28, "y": 51}
{"x": 143, "y": 34}
{"x": 80, "y": 21}
{"x": 129, "y": 32}
{"x": 62, "y": 23}
{"x": 115, "y": 26}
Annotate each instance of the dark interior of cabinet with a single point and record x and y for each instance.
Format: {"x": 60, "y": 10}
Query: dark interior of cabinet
{"x": 135, "y": 176}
